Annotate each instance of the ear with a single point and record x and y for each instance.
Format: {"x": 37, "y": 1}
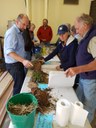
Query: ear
{"x": 16, "y": 21}
{"x": 85, "y": 26}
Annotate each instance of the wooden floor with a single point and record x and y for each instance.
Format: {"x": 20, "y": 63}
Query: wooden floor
{"x": 6, "y": 87}
{"x": 6, "y": 122}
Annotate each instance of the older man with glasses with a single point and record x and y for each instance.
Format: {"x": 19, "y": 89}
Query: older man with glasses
{"x": 14, "y": 52}
{"x": 86, "y": 64}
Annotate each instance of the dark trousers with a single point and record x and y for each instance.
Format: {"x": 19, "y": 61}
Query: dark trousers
{"x": 76, "y": 83}
{"x": 17, "y": 72}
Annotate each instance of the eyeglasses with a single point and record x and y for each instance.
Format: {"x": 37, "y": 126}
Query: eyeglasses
{"x": 24, "y": 24}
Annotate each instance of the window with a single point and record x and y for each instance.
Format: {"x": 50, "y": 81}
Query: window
{"x": 71, "y": 1}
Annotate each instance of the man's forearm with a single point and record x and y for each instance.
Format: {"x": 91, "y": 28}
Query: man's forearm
{"x": 80, "y": 69}
{"x": 88, "y": 67}
{"x": 16, "y": 57}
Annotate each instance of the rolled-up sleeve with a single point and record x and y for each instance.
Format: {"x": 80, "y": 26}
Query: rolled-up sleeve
{"x": 92, "y": 47}
{"x": 11, "y": 43}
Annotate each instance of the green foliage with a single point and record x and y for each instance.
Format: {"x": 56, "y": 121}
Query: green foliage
{"x": 38, "y": 55}
{"x": 37, "y": 77}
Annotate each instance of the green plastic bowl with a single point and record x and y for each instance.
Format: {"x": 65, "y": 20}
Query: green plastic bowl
{"x": 22, "y": 121}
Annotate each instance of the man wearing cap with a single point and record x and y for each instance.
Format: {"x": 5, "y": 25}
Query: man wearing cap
{"x": 66, "y": 49}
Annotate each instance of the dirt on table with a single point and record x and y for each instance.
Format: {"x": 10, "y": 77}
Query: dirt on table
{"x": 37, "y": 65}
{"x": 43, "y": 96}
{"x": 38, "y": 76}
{"x": 44, "y": 99}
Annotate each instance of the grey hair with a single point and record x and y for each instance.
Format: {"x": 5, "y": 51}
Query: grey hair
{"x": 20, "y": 16}
{"x": 85, "y": 18}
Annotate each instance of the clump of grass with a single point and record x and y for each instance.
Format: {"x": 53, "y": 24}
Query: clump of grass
{"x": 21, "y": 109}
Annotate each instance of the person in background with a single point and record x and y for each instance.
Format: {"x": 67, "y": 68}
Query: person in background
{"x": 66, "y": 49}
{"x": 68, "y": 25}
{"x": 34, "y": 40}
{"x": 45, "y": 33}
{"x": 86, "y": 64}
{"x": 28, "y": 42}
{"x": 74, "y": 34}
{"x": 14, "y": 52}
{"x": 31, "y": 31}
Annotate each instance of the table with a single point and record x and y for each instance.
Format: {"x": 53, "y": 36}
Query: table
{"x": 69, "y": 94}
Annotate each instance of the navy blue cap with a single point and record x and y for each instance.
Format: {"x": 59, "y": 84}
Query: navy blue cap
{"x": 62, "y": 29}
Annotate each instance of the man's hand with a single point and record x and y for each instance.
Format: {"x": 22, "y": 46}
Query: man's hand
{"x": 73, "y": 71}
{"x": 44, "y": 40}
{"x": 27, "y": 63}
{"x": 70, "y": 72}
{"x": 58, "y": 68}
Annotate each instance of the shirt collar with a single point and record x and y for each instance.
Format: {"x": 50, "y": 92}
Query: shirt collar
{"x": 70, "y": 39}
{"x": 17, "y": 29}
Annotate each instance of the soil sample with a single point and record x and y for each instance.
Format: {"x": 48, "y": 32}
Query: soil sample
{"x": 38, "y": 75}
{"x": 37, "y": 65}
{"x": 43, "y": 97}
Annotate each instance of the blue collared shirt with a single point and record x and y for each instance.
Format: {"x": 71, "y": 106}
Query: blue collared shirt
{"x": 13, "y": 42}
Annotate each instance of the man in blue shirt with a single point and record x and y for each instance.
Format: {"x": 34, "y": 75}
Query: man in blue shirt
{"x": 14, "y": 52}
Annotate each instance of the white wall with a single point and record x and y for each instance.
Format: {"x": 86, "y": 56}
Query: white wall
{"x": 9, "y": 10}
{"x": 58, "y": 12}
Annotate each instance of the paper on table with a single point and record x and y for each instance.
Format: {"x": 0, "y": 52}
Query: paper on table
{"x": 59, "y": 79}
{"x": 78, "y": 115}
{"x": 55, "y": 58}
{"x": 62, "y": 112}
{"x": 50, "y": 65}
